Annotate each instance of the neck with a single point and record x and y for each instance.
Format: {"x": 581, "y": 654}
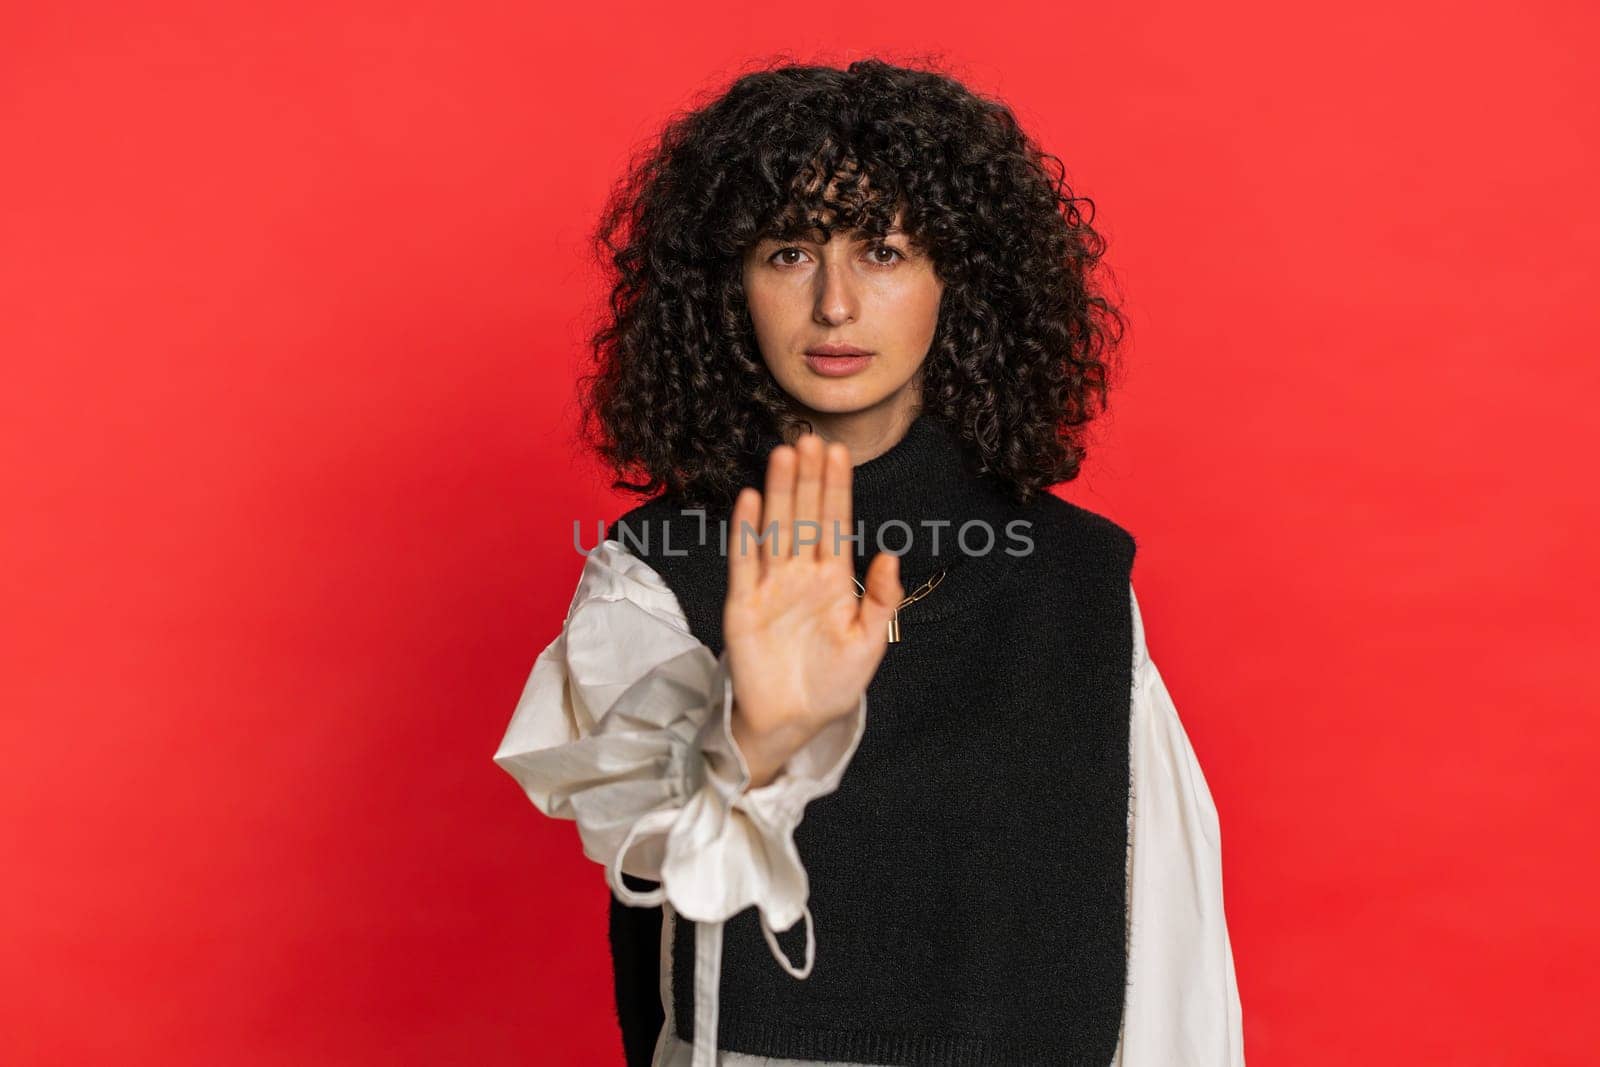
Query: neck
{"x": 868, "y": 433}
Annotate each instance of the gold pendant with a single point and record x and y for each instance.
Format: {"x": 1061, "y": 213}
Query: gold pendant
{"x": 894, "y": 620}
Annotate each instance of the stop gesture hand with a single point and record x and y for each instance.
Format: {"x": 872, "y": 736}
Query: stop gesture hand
{"x": 801, "y": 645}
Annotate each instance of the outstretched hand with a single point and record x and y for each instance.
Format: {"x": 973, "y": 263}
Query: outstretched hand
{"x": 801, "y": 645}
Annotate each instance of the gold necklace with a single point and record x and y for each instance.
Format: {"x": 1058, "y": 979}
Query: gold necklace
{"x": 894, "y": 620}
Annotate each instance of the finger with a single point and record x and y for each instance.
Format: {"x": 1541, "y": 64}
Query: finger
{"x": 836, "y": 477}
{"x": 744, "y": 558}
{"x": 779, "y": 505}
{"x": 884, "y": 593}
{"x": 808, "y": 496}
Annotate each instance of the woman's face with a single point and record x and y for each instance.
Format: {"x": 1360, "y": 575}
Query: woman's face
{"x": 881, "y": 297}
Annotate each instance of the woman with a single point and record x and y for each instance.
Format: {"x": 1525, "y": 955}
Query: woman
{"x": 857, "y": 304}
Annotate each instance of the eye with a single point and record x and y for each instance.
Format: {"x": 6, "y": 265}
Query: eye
{"x": 894, "y": 255}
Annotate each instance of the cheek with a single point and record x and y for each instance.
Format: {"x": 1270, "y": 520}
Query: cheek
{"x": 759, "y": 299}
{"x": 917, "y": 305}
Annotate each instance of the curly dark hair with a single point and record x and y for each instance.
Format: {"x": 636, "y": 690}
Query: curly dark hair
{"x": 680, "y": 393}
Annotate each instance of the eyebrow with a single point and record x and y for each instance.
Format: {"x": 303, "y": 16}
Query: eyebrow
{"x": 896, "y": 232}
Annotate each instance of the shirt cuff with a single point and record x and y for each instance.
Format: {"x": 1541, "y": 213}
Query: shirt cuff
{"x": 716, "y": 845}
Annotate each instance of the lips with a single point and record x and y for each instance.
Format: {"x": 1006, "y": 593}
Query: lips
{"x": 837, "y": 366}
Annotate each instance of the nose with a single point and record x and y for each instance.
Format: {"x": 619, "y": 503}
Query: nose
{"x": 836, "y": 301}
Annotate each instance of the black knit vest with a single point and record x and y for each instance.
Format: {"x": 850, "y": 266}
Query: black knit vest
{"x": 968, "y": 876}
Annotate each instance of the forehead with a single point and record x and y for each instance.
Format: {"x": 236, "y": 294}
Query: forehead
{"x": 847, "y": 201}
{"x": 822, "y": 223}
{"x": 819, "y": 234}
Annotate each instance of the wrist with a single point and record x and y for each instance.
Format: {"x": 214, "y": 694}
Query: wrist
{"x": 765, "y": 752}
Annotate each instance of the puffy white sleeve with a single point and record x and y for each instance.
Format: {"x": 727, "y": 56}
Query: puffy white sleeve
{"x": 625, "y": 727}
{"x": 1182, "y": 1003}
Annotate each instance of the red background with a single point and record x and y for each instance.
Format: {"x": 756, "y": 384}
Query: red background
{"x": 291, "y": 301}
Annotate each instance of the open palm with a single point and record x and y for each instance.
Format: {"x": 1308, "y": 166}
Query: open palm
{"x": 801, "y": 646}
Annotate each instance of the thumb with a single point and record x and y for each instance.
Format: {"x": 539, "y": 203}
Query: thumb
{"x": 883, "y": 592}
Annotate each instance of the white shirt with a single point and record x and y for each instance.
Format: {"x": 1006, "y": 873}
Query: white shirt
{"x": 625, "y": 727}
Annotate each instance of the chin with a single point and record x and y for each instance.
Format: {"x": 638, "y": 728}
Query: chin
{"x": 840, "y": 398}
